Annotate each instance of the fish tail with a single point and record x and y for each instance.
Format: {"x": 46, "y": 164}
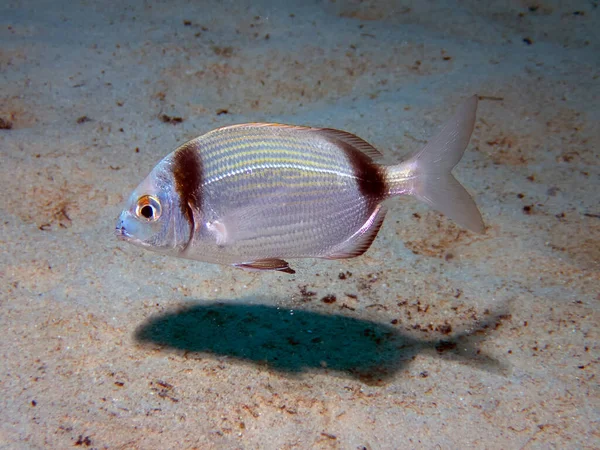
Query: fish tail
{"x": 426, "y": 174}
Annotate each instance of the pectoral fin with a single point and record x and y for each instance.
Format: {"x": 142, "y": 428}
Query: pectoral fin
{"x": 235, "y": 226}
{"x": 246, "y": 222}
{"x": 267, "y": 264}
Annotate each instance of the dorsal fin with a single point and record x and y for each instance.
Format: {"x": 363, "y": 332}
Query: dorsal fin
{"x": 331, "y": 133}
{"x": 351, "y": 139}
{"x": 360, "y": 241}
{"x": 262, "y": 125}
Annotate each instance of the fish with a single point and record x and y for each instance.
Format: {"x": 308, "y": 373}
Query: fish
{"x": 257, "y": 194}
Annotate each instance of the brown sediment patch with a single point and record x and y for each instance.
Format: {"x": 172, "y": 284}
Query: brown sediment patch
{"x": 561, "y": 252}
{"x": 530, "y": 125}
{"x": 13, "y": 58}
{"x": 369, "y": 11}
{"x": 577, "y": 239}
{"x": 435, "y": 236}
{"x": 564, "y": 129}
{"x": 36, "y": 275}
{"x": 534, "y": 270}
{"x": 533, "y": 20}
{"x": 279, "y": 79}
{"x": 575, "y": 135}
{"x": 16, "y": 112}
{"x": 50, "y": 189}
{"x": 503, "y": 149}
{"x": 50, "y": 201}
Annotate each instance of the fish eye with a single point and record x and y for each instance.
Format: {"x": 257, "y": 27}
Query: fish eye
{"x": 148, "y": 208}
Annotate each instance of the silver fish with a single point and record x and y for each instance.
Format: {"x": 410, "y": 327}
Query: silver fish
{"x": 251, "y": 195}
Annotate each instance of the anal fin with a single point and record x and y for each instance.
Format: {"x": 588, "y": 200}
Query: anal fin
{"x": 360, "y": 241}
{"x": 267, "y": 264}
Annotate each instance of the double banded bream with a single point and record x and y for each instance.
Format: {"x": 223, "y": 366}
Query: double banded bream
{"x": 257, "y": 194}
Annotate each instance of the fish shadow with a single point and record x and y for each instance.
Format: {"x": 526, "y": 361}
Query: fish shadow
{"x": 298, "y": 341}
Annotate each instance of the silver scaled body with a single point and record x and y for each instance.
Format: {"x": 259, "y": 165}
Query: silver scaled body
{"x": 273, "y": 191}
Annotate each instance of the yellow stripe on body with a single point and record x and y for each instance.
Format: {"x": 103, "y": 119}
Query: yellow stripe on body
{"x": 292, "y": 189}
{"x": 245, "y": 149}
{"x": 225, "y": 147}
{"x": 222, "y": 145}
{"x": 235, "y": 156}
{"x": 271, "y": 163}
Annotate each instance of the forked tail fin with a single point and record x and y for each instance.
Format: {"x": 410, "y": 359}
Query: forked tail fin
{"x": 426, "y": 174}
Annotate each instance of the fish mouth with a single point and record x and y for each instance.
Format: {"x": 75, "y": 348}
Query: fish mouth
{"x": 122, "y": 234}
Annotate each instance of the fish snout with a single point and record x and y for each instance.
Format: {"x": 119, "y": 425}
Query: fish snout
{"x": 120, "y": 231}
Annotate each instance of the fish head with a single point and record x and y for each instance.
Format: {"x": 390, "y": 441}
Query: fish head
{"x": 153, "y": 217}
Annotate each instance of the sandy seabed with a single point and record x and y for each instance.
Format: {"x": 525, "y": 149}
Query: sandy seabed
{"x": 435, "y": 338}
